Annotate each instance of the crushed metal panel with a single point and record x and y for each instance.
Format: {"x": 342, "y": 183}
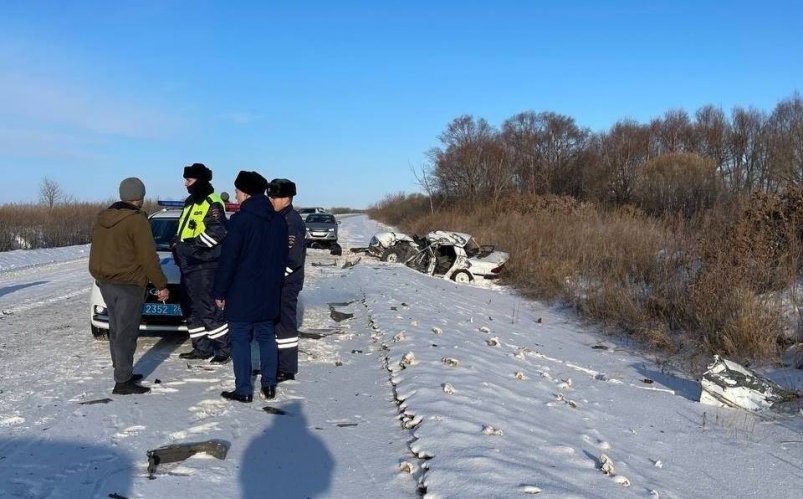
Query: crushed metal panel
{"x": 179, "y": 452}
{"x": 728, "y": 384}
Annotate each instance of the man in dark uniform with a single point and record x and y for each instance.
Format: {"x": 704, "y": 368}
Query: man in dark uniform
{"x": 281, "y": 192}
{"x": 201, "y": 229}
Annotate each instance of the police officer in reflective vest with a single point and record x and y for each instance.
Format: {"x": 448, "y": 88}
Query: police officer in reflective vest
{"x": 201, "y": 229}
{"x": 281, "y": 192}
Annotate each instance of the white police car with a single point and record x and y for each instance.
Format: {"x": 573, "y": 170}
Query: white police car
{"x": 156, "y": 316}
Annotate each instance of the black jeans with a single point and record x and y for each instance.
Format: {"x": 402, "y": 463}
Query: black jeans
{"x": 124, "y": 302}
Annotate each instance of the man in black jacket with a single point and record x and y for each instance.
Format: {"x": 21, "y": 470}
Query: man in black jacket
{"x": 248, "y": 284}
{"x": 281, "y": 192}
{"x": 201, "y": 230}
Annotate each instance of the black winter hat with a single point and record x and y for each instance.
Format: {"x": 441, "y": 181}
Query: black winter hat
{"x": 251, "y": 183}
{"x": 281, "y": 188}
{"x": 198, "y": 171}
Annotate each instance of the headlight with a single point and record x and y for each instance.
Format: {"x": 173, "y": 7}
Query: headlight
{"x": 331, "y": 230}
{"x": 100, "y": 310}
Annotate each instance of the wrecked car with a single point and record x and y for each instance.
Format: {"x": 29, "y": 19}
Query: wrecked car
{"x": 394, "y": 247}
{"x": 451, "y": 255}
{"x": 457, "y": 256}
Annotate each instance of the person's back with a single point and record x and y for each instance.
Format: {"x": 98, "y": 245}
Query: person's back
{"x": 256, "y": 279}
{"x": 114, "y": 255}
{"x": 248, "y": 283}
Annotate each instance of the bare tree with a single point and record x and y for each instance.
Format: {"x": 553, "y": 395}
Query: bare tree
{"x": 747, "y": 148}
{"x": 624, "y": 151}
{"x": 427, "y": 182}
{"x": 50, "y": 192}
{"x": 785, "y": 129}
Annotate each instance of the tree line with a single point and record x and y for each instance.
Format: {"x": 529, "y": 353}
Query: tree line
{"x": 675, "y": 162}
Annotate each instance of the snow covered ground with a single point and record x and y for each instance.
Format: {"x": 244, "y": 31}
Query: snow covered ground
{"x": 434, "y": 387}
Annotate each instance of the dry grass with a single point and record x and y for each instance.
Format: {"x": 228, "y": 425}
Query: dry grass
{"x": 30, "y": 226}
{"x": 671, "y": 283}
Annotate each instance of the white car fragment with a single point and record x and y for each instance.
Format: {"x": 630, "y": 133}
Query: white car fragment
{"x": 728, "y": 384}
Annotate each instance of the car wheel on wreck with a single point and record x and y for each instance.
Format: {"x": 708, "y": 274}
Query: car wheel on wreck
{"x": 335, "y": 249}
{"x": 462, "y": 276}
{"x": 393, "y": 255}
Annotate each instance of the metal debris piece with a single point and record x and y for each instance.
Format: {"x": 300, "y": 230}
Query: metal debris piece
{"x": 274, "y": 410}
{"x": 349, "y": 263}
{"x": 96, "y": 401}
{"x": 338, "y": 316}
{"x": 179, "y": 452}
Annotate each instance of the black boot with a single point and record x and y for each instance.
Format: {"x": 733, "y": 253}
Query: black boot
{"x": 237, "y": 396}
{"x": 220, "y": 359}
{"x": 136, "y": 377}
{"x": 269, "y": 392}
{"x": 194, "y": 355}
{"x": 129, "y": 387}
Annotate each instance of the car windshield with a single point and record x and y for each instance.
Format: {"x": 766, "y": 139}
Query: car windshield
{"x": 472, "y": 248}
{"x": 317, "y": 218}
{"x": 164, "y": 230}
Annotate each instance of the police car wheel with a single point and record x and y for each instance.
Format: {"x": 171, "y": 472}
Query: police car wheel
{"x": 99, "y": 333}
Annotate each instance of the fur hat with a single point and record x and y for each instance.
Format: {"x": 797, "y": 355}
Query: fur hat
{"x": 281, "y": 188}
{"x": 132, "y": 189}
{"x": 251, "y": 183}
{"x": 198, "y": 171}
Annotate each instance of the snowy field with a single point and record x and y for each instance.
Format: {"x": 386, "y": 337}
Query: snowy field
{"x": 430, "y": 387}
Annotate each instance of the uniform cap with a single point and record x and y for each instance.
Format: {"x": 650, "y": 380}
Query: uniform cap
{"x": 251, "y": 183}
{"x": 198, "y": 171}
{"x": 281, "y": 188}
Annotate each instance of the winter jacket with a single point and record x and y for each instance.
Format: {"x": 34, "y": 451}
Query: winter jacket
{"x": 294, "y": 273}
{"x": 251, "y": 267}
{"x": 198, "y": 247}
{"x": 123, "y": 251}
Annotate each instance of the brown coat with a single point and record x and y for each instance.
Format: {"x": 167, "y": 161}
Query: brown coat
{"x": 123, "y": 251}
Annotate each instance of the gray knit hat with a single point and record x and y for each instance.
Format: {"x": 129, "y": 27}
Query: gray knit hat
{"x": 132, "y": 189}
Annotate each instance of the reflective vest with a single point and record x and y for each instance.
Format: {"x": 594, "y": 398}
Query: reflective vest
{"x": 191, "y": 222}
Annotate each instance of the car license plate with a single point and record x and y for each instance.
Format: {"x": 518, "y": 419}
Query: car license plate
{"x": 161, "y": 309}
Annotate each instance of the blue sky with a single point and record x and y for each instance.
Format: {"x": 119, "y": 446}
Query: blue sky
{"x": 346, "y": 97}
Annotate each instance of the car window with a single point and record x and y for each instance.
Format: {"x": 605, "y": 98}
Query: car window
{"x": 164, "y": 230}
{"x": 321, "y": 219}
{"x": 472, "y": 248}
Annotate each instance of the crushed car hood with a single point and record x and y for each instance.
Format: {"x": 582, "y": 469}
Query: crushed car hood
{"x": 448, "y": 237}
{"x": 386, "y": 239}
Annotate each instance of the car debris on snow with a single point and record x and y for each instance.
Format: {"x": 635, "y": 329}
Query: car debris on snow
{"x": 179, "y": 452}
{"x": 728, "y": 384}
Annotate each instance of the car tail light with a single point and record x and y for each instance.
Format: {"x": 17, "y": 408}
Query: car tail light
{"x": 496, "y": 270}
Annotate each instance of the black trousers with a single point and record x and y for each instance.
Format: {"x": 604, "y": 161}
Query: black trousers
{"x": 206, "y": 322}
{"x": 287, "y": 328}
{"x": 124, "y": 302}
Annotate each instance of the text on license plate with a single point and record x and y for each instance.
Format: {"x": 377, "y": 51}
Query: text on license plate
{"x": 161, "y": 309}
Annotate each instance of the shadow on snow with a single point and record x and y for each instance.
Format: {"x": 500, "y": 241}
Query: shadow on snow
{"x": 286, "y": 460}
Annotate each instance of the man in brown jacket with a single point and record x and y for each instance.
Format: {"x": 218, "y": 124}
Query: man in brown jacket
{"x": 122, "y": 259}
